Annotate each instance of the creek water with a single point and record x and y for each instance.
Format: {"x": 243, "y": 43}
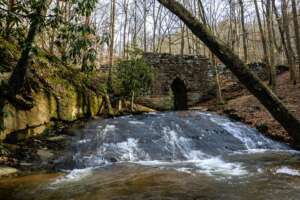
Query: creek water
{"x": 173, "y": 155}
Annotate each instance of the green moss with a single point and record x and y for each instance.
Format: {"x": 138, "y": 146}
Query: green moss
{"x": 9, "y": 53}
{"x": 4, "y": 151}
{"x": 95, "y": 103}
{"x": 71, "y": 93}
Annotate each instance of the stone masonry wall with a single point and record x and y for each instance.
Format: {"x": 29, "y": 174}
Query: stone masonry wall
{"x": 193, "y": 70}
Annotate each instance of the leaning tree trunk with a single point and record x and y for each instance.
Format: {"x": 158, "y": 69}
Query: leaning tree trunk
{"x": 260, "y": 90}
{"x": 17, "y": 79}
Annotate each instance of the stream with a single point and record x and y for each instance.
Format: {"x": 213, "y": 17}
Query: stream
{"x": 173, "y": 155}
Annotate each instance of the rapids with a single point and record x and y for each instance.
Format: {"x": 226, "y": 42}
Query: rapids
{"x": 172, "y": 155}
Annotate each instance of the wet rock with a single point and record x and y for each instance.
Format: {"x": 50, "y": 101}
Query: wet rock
{"x": 25, "y": 164}
{"x": 6, "y": 171}
{"x": 232, "y": 114}
{"x": 199, "y": 108}
{"x": 45, "y": 154}
{"x": 157, "y": 103}
{"x": 262, "y": 127}
{"x": 57, "y": 138}
{"x": 113, "y": 160}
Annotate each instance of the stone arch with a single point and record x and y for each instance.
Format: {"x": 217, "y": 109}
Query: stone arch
{"x": 179, "y": 90}
{"x": 193, "y": 71}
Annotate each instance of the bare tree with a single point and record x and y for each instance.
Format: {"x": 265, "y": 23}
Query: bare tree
{"x": 275, "y": 106}
{"x": 272, "y": 77}
{"x": 290, "y": 53}
{"x": 111, "y": 42}
{"x": 245, "y": 49}
{"x": 296, "y": 28}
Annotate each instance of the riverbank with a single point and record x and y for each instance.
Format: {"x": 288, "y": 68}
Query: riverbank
{"x": 41, "y": 152}
{"x": 57, "y": 95}
{"x": 163, "y": 155}
{"x": 242, "y": 106}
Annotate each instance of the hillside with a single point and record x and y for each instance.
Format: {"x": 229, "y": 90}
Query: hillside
{"x": 243, "y": 106}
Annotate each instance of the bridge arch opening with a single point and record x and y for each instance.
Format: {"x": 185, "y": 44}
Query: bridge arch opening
{"x": 180, "y": 94}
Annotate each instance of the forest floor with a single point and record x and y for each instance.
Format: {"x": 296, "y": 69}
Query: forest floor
{"x": 242, "y": 106}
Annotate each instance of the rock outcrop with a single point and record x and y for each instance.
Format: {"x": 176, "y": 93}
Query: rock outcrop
{"x": 69, "y": 106}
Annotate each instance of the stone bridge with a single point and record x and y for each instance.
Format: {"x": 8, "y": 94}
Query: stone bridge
{"x": 187, "y": 77}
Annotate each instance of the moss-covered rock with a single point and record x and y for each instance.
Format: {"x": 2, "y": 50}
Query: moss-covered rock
{"x": 65, "y": 105}
{"x": 95, "y": 103}
{"x": 60, "y": 92}
{"x": 17, "y": 120}
{"x": 56, "y": 98}
{"x": 67, "y": 97}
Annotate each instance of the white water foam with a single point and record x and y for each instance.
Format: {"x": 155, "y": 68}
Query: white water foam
{"x": 128, "y": 150}
{"x": 185, "y": 170}
{"x": 217, "y": 166}
{"x": 174, "y": 142}
{"x": 107, "y": 129}
{"x": 213, "y": 166}
{"x": 201, "y": 162}
{"x": 288, "y": 171}
{"x": 235, "y": 130}
{"x": 136, "y": 122}
{"x": 73, "y": 176}
{"x": 84, "y": 141}
{"x": 262, "y": 151}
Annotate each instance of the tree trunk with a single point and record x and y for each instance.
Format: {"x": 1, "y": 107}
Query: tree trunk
{"x": 84, "y": 63}
{"x": 244, "y": 31}
{"x": 280, "y": 27}
{"x": 290, "y": 53}
{"x": 17, "y": 79}
{"x": 132, "y": 102}
{"x": 272, "y": 76}
{"x": 263, "y": 39}
{"x": 182, "y": 42}
{"x": 145, "y": 25}
{"x": 154, "y": 27}
{"x": 296, "y": 27}
{"x": 109, "y": 108}
{"x": 275, "y": 106}
{"x": 233, "y": 24}
{"x": 170, "y": 42}
{"x": 188, "y": 42}
{"x": 135, "y": 29}
{"x": 125, "y": 28}
{"x": 111, "y": 46}
{"x": 217, "y": 80}
{"x": 10, "y": 8}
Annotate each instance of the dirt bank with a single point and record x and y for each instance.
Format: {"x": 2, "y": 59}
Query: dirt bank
{"x": 242, "y": 106}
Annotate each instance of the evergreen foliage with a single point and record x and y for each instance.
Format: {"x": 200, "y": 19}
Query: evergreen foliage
{"x": 135, "y": 77}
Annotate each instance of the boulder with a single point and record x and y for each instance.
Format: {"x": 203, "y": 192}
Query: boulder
{"x": 6, "y": 171}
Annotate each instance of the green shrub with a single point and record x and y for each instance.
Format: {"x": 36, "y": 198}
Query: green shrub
{"x": 133, "y": 77}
